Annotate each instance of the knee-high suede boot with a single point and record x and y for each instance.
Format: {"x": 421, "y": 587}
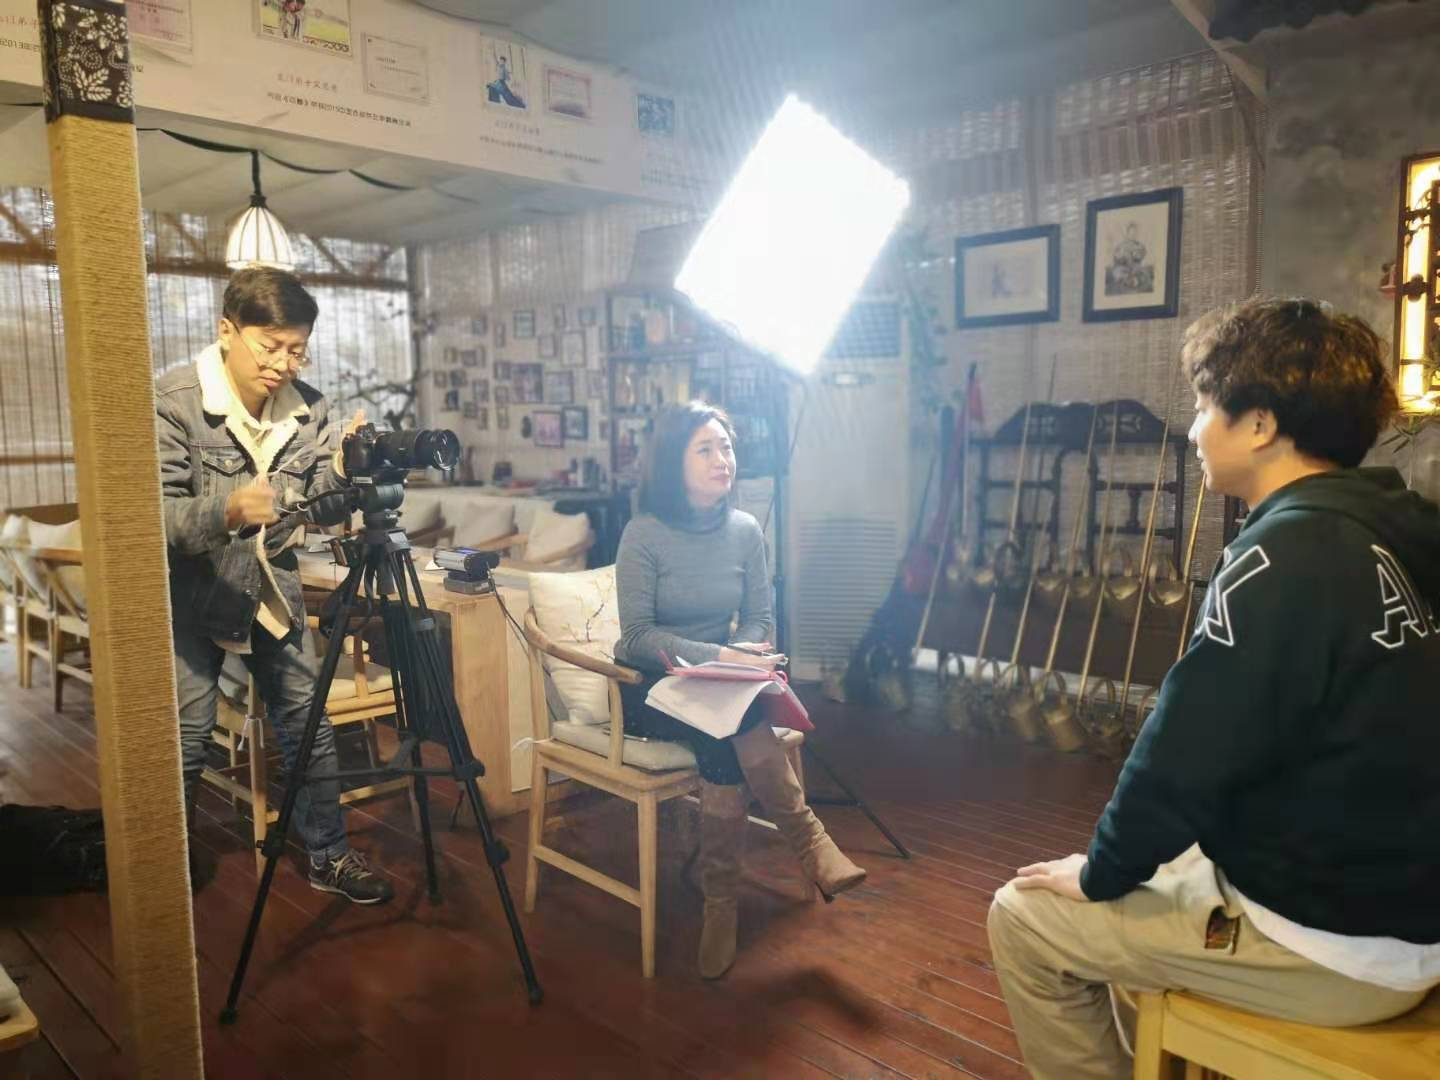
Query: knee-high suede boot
{"x": 722, "y": 845}
{"x": 768, "y": 772}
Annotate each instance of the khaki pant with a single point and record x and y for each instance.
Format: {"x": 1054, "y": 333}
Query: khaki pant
{"x": 1057, "y": 958}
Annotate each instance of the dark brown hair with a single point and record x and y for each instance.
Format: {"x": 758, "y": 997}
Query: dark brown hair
{"x": 662, "y": 473}
{"x": 266, "y": 297}
{"x": 1321, "y": 374}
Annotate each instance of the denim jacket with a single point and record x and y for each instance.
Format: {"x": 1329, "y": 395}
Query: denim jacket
{"x": 216, "y": 578}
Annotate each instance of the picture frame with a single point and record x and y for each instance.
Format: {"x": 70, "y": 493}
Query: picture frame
{"x": 573, "y": 348}
{"x": 548, "y": 428}
{"x": 1007, "y": 278}
{"x": 499, "y": 333}
{"x": 527, "y": 384}
{"x": 546, "y": 347}
{"x": 502, "y": 395}
{"x": 576, "y": 420}
{"x": 568, "y": 93}
{"x": 452, "y": 401}
{"x": 559, "y": 388}
{"x": 452, "y": 356}
{"x": 441, "y": 379}
{"x": 502, "y": 369}
{"x": 524, "y": 323}
{"x": 604, "y": 428}
{"x": 479, "y": 326}
{"x": 617, "y": 339}
{"x": 472, "y": 358}
{"x": 505, "y": 74}
{"x": 655, "y": 115}
{"x": 1132, "y": 256}
{"x": 480, "y": 390}
{"x": 502, "y": 419}
{"x": 457, "y": 377}
{"x": 471, "y": 410}
{"x": 595, "y": 348}
{"x": 557, "y": 317}
{"x": 482, "y": 418}
{"x": 595, "y": 385}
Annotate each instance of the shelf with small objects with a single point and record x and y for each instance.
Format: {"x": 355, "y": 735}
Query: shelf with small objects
{"x": 663, "y": 352}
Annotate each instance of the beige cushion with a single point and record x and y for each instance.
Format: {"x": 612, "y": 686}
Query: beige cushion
{"x": 377, "y": 680}
{"x": 420, "y": 511}
{"x": 61, "y": 536}
{"x": 552, "y": 533}
{"x": 579, "y": 610}
{"x": 15, "y": 530}
{"x": 477, "y": 522}
{"x": 652, "y": 755}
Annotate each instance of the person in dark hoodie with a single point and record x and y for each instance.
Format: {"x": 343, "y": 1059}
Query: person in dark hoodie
{"x": 1273, "y": 841}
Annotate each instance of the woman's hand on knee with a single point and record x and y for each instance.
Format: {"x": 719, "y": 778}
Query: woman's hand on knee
{"x": 1060, "y": 876}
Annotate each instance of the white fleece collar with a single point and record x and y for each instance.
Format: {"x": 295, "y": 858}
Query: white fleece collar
{"x": 283, "y": 412}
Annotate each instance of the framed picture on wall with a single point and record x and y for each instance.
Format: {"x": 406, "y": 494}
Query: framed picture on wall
{"x": 524, "y": 323}
{"x": 502, "y": 419}
{"x": 547, "y": 347}
{"x": 480, "y": 390}
{"x": 502, "y": 369}
{"x": 1010, "y": 277}
{"x": 480, "y": 326}
{"x": 1132, "y": 256}
{"x": 595, "y": 383}
{"x": 471, "y": 357}
{"x": 452, "y": 401}
{"x": 471, "y": 410}
{"x": 526, "y": 383}
{"x": 499, "y": 333}
{"x": 440, "y": 378}
{"x": 577, "y": 422}
{"x": 559, "y": 388}
{"x": 548, "y": 428}
{"x": 502, "y": 395}
{"x": 457, "y": 377}
{"x": 573, "y": 346}
{"x": 482, "y": 418}
{"x": 587, "y": 316}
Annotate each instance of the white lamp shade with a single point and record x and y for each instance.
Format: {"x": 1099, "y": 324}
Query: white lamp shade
{"x": 258, "y": 238}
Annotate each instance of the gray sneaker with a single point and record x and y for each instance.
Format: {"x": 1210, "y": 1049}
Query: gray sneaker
{"x": 350, "y": 876}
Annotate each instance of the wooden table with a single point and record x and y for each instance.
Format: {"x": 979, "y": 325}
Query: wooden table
{"x": 479, "y": 658}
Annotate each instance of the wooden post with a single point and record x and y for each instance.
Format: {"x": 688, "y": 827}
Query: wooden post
{"x": 100, "y": 248}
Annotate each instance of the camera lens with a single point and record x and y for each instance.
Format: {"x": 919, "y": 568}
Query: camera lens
{"x": 418, "y": 449}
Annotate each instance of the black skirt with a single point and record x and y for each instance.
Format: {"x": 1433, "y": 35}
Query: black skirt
{"x": 715, "y": 757}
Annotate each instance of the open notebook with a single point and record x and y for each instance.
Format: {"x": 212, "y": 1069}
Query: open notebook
{"x": 713, "y": 697}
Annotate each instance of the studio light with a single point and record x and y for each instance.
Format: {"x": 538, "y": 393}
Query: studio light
{"x": 792, "y": 240}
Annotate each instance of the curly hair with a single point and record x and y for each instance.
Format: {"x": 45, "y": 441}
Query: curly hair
{"x": 1321, "y": 374}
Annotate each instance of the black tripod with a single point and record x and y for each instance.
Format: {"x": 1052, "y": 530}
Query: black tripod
{"x": 425, "y": 709}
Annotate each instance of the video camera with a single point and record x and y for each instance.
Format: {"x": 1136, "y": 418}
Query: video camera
{"x": 369, "y": 452}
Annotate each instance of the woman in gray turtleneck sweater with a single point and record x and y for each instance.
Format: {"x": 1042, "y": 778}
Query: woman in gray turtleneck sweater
{"x": 690, "y": 568}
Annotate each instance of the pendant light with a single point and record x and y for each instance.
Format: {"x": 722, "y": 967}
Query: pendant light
{"x": 258, "y": 237}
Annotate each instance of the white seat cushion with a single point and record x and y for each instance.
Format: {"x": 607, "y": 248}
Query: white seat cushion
{"x": 61, "y": 536}
{"x": 579, "y": 610}
{"x": 552, "y": 533}
{"x": 652, "y": 755}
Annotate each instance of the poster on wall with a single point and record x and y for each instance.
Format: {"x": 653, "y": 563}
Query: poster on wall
{"x": 395, "y": 69}
{"x": 505, "y": 68}
{"x": 1004, "y": 278}
{"x": 567, "y": 93}
{"x": 1132, "y": 256}
{"x": 299, "y": 22}
{"x": 164, "y": 24}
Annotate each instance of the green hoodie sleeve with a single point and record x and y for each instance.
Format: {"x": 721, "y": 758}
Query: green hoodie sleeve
{"x": 1256, "y": 666}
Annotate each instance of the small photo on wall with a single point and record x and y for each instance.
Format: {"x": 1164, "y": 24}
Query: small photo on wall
{"x": 567, "y": 93}
{"x": 502, "y": 394}
{"x": 505, "y": 68}
{"x": 577, "y": 423}
{"x": 1010, "y": 277}
{"x": 595, "y": 385}
{"x": 499, "y": 333}
{"x": 441, "y": 379}
{"x": 527, "y": 384}
{"x": 502, "y": 369}
{"x": 480, "y": 390}
{"x": 482, "y": 418}
{"x": 595, "y": 347}
{"x": 557, "y": 316}
{"x": 471, "y": 410}
{"x": 472, "y": 357}
{"x": 548, "y": 428}
{"x": 559, "y": 388}
{"x": 457, "y": 377}
{"x": 452, "y": 401}
{"x": 480, "y": 326}
{"x": 502, "y": 419}
{"x": 546, "y": 347}
{"x": 573, "y": 344}
{"x": 587, "y": 316}
{"x": 524, "y": 323}
{"x": 1132, "y": 256}
{"x": 326, "y": 30}
{"x": 452, "y": 356}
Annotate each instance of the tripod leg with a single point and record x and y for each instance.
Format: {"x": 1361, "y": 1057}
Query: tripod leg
{"x": 422, "y": 808}
{"x": 274, "y": 844}
{"x": 851, "y": 799}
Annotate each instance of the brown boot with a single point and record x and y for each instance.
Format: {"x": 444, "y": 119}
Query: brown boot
{"x": 722, "y": 845}
{"x": 768, "y": 772}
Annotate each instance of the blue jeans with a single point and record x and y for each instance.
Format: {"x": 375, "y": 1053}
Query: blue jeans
{"x": 285, "y": 677}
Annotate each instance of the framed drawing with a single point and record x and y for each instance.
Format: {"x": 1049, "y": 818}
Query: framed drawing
{"x": 573, "y": 348}
{"x": 576, "y": 422}
{"x": 526, "y": 383}
{"x": 549, "y": 429}
{"x": 546, "y": 346}
{"x": 524, "y": 323}
{"x": 559, "y": 387}
{"x": 502, "y": 369}
{"x": 1010, "y": 277}
{"x": 1132, "y": 256}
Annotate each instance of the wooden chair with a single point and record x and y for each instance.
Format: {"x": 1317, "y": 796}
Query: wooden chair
{"x": 1211, "y": 1038}
{"x": 51, "y": 622}
{"x": 603, "y": 765}
{"x": 361, "y": 694}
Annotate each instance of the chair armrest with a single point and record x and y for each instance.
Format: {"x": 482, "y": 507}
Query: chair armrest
{"x": 502, "y": 543}
{"x": 59, "y": 556}
{"x": 540, "y": 641}
{"x": 544, "y": 565}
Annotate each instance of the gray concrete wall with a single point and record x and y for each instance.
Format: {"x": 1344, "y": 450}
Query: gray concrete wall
{"x": 1338, "y": 127}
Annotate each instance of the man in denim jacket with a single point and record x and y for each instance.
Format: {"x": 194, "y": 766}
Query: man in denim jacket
{"x": 241, "y": 436}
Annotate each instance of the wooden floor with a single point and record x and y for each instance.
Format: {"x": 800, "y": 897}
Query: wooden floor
{"x": 891, "y": 980}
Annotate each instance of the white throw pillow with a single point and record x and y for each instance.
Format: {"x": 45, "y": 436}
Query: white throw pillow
{"x": 579, "y": 610}
{"x": 15, "y": 530}
{"x": 62, "y": 536}
{"x": 551, "y": 533}
{"x": 479, "y": 521}
{"x": 420, "y": 511}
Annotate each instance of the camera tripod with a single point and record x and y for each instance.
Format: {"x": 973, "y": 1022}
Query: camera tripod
{"x": 425, "y": 710}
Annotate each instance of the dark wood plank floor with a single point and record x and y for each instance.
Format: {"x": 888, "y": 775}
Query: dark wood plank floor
{"x": 892, "y": 980}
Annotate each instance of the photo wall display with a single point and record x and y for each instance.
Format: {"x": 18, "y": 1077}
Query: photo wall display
{"x": 1131, "y": 266}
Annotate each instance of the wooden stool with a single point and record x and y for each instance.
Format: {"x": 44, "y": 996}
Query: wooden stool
{"x": 1218, "y": 1038}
